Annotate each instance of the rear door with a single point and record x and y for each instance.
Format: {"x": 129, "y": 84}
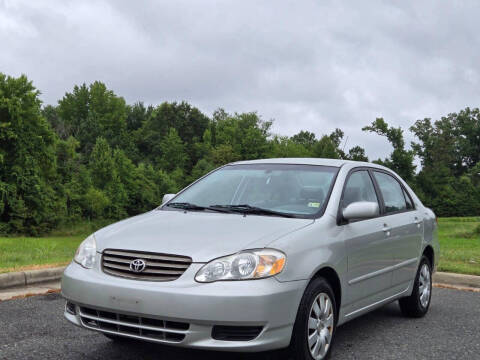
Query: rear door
{"x": 405, "y": 228}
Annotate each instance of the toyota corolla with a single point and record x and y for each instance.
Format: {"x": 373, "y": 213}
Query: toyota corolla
{"x": 259, "y": 255}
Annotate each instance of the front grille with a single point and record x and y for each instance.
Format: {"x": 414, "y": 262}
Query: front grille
{"x": 133, "y": 326}
{"x": 235, "y": 333}
{"x": 158, "y": 267}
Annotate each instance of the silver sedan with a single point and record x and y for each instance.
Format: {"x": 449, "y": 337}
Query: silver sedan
{"x": 259, "y": 255}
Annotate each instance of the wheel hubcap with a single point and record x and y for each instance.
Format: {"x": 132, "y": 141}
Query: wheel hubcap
{"x": 425, "y": 286}
{"x": 320, "y": 326}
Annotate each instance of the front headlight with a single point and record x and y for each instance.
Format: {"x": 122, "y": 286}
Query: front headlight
{"x": 249, "y": 264}
{"x": 86, "y": 252}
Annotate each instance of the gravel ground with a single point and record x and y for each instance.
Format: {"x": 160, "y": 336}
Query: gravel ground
{"x": 34, "y": 328}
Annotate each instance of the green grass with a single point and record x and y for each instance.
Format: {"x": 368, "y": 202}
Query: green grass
{"x": 459, "y": 246}
{"x": 22, "y": 253}
{"x": 56, "y": 249}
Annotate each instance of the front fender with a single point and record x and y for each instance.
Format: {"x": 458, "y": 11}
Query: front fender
{"x": 311, "y": 249}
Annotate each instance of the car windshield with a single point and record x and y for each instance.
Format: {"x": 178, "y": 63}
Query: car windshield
{"x": 296, "y": 190}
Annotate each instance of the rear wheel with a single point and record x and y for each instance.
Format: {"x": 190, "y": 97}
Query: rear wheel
{"x": 315, "y": 324}
{"x": 417, "y": 304}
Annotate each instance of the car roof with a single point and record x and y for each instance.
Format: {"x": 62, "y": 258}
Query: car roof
{"x": 310, "y": 161}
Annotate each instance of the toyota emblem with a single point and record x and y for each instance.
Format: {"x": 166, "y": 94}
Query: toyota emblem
{"x": 137, "y": 265}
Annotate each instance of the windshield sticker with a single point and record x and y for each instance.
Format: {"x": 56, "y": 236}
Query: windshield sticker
{"x": 314, "y": 204}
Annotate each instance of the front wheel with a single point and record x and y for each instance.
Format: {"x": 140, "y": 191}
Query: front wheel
{"x": 315, "y": 323}
{"x": 417, "y": 304}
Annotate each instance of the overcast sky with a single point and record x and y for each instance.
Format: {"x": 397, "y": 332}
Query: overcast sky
{"x": 311, "y": 65}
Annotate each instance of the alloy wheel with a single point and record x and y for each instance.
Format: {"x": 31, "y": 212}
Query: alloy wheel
{"x": 320, "y": 326}
{"x": 425, "y": 286}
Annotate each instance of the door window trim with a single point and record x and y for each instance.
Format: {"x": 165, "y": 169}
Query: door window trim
{"x": 407, "y": 195}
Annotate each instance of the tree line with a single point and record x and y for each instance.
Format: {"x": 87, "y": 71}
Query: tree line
{"x": 93, "y": 156}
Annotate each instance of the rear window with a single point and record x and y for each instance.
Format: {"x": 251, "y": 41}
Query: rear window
{"x": 392, "y": 192}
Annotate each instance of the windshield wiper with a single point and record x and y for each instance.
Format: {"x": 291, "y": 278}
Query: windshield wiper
{"x": 194, "y": 207}
{"x": 248, "y": 209}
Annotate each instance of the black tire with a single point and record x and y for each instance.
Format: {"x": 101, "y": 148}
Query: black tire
{"x": 412, "y": 306}
{"x": 299, "y": 348}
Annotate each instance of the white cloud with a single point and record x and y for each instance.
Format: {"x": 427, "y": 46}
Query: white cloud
{"x": 309, "y": 65}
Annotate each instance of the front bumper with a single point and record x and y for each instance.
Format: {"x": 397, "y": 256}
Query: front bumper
{"x": 267, "y": 303}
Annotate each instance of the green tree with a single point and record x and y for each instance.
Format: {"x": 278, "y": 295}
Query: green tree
{"x": 448, "y": 149}
{"x": 102, "y": 165}
{"x": 326, "y": 148}
{"x": 56, "y": 123}
{"x": 467, "y": 131}
{"x": 92, "y": 111}
{"x": 203, "y": 148}
{"x": 95, "y": 202}
{"x": 453, "y": 140}
{"x": 282, "y": 146}
{"x": 223, "y": 154}
{"x": 173, "y": 151}
{"x": 72, "y": 179}
{"x": 245, "y": 134}
{"x": 400, "y": 160}
{"x": 305, "y": 138}
{"x": 137, "y": 115}
{"x": 189, "y": 123}
{"x": 28, "y": 202}
{"x": 337, "y": 136}
{"x": 93, "y": 156}
{"x": 357, "y": 153}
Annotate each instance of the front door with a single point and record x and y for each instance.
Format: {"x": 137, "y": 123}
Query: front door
{"x": 368, "y": 246}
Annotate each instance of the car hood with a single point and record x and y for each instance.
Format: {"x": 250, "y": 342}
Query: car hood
{"x": 203, "y": 236}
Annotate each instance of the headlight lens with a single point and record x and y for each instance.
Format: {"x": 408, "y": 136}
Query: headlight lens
{"x": 86, "y": 252}
{"x": 251, "y": 264}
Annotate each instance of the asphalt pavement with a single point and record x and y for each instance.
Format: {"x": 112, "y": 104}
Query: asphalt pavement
{"x": 34, "y": 328}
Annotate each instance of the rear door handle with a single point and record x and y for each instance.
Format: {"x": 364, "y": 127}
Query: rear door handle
{"x": 387, "y": 229}
{"x": 417, "y": 221}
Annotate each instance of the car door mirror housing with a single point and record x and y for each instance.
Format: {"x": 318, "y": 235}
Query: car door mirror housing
{"x": 167, "y": 198}
{"x": 361, "y": 210}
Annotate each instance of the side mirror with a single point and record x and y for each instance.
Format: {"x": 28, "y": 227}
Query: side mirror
{"x": 167, "y": 198}
{"x": 361, "y": 210}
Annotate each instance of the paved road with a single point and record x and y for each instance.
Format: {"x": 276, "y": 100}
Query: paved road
{"x": 34, "y": 328}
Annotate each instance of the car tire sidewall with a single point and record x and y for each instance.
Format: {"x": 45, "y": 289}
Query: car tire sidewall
{"x": 299, "y": 345}
{"x": 423, "y": 309}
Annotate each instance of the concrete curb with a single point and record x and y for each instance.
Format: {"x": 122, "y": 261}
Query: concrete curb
{"x": 457, "y": 279}
{"x": 30, "y": 277}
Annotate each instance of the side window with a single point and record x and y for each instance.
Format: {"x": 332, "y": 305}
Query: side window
{"x": 392, "y": 192}
{"x": 359, "y": 187}
{"x": 409, "y": 200}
